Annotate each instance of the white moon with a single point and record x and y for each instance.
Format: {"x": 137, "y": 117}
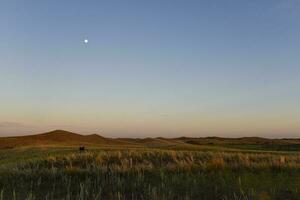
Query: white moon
{"x": 86, "y": 41}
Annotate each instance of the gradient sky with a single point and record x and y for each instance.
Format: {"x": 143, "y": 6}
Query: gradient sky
{"x": 151, "y": 68}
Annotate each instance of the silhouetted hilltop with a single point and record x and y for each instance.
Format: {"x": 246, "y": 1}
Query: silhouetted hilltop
{"x": 59, "y": 138}
{"x": 65, "y": 138}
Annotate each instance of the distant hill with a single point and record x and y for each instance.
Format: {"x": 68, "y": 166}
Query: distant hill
{"x": 242, "y": 140}
{"x": 65, "y": 138}
{"x": 154, "y": 142}
{"x": 59, "y": 138}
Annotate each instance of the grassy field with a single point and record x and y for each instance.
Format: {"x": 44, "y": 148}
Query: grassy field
{"x": 126, "y": 173}
{"x": 50, "y": 166}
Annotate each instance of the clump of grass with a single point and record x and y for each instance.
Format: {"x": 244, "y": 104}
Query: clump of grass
{"x": 160, "y": 159}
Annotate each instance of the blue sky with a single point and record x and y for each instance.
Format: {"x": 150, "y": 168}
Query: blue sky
{"x": 151, "y": 68}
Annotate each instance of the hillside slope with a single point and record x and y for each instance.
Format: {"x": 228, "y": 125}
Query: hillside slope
{"x": 63, "y": 138}
{"x": 60, "y": 138}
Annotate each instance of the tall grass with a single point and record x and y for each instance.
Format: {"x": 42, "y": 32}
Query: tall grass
{"x": 157, "y": 159}
{"x": 154, "y": 174}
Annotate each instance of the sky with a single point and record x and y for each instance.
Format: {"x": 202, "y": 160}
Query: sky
{"x": 151, "y": 68}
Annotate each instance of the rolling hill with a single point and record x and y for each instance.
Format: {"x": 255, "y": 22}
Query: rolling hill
{"x": 61, "y": 138}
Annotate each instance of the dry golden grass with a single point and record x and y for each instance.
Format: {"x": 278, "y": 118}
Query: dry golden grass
{"x": 150, "y": 174}
{"x": 128, "y": 160}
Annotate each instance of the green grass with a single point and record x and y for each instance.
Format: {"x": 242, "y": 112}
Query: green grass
{"x": 265, "y": 147}
{"x": 103, "y": 173}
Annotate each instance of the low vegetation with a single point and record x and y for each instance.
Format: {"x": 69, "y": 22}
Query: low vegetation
{"x": 142, "y": 169}
{"x": 150, "y": 174}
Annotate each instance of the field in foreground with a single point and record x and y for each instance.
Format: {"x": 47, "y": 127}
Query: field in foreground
{"x": 66, "y": 173}
{"x": 50, "y": 166}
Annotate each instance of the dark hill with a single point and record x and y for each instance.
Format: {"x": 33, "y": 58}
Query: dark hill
{"x": 65, "y": 138}
{"x": 59, "y": 138}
